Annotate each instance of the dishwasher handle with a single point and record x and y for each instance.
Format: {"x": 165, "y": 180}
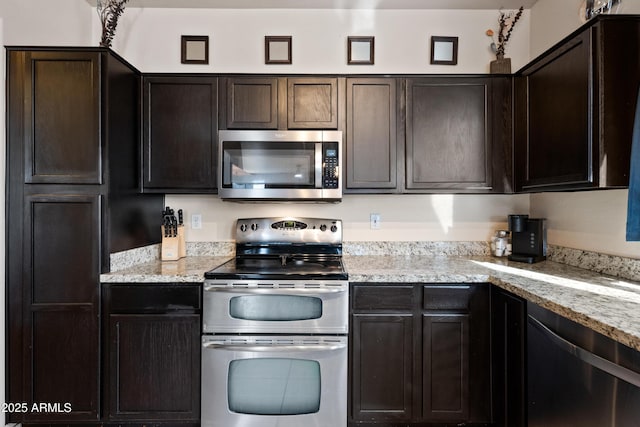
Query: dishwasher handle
{"x": 586, "y": 356}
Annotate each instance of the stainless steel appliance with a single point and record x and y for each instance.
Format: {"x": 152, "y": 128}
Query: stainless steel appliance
{"x": 275, "y": 324}
{"x": 578, "y": 377}
{"x": 280, "y": 165}
{"x": 528, "y": 238}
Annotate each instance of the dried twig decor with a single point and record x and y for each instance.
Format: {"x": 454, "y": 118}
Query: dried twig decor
{"x": 506, "y": 22}
{"x": 109, "y": 11}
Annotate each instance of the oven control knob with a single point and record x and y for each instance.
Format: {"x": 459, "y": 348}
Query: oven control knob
{"x": 243, "y": 227}
{"x": 254, "y": 227}
{"x": 323, "y": 227}
{"x": 334, "y": 228}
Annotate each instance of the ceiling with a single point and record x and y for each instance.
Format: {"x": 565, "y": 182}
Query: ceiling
{"x": 332, "y": 4}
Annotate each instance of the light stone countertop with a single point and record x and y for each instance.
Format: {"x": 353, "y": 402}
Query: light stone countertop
{"x": 185, "y": 270}
{"x": 609, "y": 305}
{"x": 606, "y": 304}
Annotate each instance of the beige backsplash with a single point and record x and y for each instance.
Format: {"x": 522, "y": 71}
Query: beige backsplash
{"x": 405, "y": 217}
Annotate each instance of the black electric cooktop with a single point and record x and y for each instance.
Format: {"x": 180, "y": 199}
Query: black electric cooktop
{"x": 280, "y": 268}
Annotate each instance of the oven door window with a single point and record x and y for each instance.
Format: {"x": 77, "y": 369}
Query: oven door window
{"x": 260, "y": 165}
{"x": 274, "y": 386}
{"x": 275, "y": 307}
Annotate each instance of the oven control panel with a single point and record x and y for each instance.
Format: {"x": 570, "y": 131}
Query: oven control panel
{"x": 289, "y": 230}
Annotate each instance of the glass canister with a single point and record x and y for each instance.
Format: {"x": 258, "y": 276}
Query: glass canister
{"x": 500, "y": 244}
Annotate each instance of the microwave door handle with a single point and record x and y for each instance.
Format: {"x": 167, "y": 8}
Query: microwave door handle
{"x": 275, "y": 348}
{"x": 319, "y": 167}
{"x": 276, "y": 291}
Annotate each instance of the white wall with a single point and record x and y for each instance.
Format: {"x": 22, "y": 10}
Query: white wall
{"x": 591, "y": 220}
{"x": 150, "y": 39}
{"x": 47, "y": 23}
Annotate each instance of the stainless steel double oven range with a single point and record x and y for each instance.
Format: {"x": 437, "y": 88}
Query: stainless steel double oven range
{"x": 275, "y": 324}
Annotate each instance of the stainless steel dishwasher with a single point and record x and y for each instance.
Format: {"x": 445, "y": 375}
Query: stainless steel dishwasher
{"x": 578, "y": 377}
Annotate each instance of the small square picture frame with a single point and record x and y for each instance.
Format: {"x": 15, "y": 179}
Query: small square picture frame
{"x": 444, "y": 50}
{"x": 277, "y": 49}
{"x": 360, "y": 50}
{"x": 194, "y": 50}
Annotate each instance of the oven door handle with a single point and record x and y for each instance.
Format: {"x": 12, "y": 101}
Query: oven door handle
{"x": 275, "y": 348}
{"x": 278, "y": 291}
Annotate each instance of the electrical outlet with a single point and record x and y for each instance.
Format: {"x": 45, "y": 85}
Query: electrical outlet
{"x": 196, "y": 221}
{"x": 374, "y": 221}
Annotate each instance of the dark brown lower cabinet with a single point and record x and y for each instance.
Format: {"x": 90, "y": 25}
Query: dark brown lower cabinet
{"x": 445, "y": 367}
{"x": 420, "y": 355}
{"x": 382, "y": 379}
{"x": 152, "y": 359}
{"x": 509, "y": 318}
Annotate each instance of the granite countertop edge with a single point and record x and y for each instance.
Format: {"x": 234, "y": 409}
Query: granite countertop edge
{"x": 606, "y": 304}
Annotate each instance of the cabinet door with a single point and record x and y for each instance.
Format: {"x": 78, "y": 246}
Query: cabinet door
{"x": 371, "y": 141}
{"x": 180, "y": 134}
{"x": 252, "y": 103}
{"x": 60, "y": 330}
{"x": 382, "y": 367}
{"x": 312, "y": 103}
{"x": 448, "y": 134}
{"x": 508, "y": 340}
{"x": 62, "y": 136}
{"x": 446, "y": 367}
{"x": 456, "y": 353}
{"x": 554, "y": 136}
{"x": 154, "y": 366}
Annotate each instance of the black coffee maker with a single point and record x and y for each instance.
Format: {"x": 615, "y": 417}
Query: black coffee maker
{"x": 528, "y": 238}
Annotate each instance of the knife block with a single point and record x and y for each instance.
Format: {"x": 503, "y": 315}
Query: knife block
{"x": 170, "y": 250}
{"x": 182, "y": 245}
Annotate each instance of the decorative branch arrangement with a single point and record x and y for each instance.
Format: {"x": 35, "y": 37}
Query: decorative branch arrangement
{"x": 506, "y": 22}
{"x": 109, "y": 12}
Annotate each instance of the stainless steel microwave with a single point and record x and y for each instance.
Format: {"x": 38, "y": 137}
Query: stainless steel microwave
{"x": 280, "y": 165}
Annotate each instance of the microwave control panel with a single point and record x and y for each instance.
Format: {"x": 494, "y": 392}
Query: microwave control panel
{"x": 330, "y": 163}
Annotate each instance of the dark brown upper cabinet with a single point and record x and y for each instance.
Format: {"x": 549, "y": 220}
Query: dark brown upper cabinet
{"x": 180, "y": 134}
{"x": 312, "y": 103}
{"x": 62, "y": 118}
{"x": 574, "y": 109}
{"x": 271, "y": 102}
{"x": 371, "y": 138}
{"x": 252, "y": 103}
{"x": 449, "y": 135}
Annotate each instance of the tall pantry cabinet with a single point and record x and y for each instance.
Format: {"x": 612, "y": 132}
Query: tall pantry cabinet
{"x": 72, "y": 198}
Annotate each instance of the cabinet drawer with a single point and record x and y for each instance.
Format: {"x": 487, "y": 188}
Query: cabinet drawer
{"x": 383, "y": 297}
{"x": 447, "y": 297}
{"x": 154, "y": 298}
